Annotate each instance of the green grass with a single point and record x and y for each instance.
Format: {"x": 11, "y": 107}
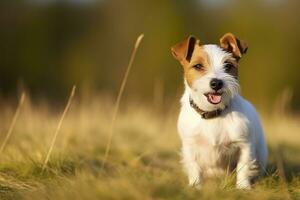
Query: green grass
{"x": 144, "y": 158}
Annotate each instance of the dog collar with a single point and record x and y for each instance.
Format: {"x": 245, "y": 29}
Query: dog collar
{"x": 205, "y": 114}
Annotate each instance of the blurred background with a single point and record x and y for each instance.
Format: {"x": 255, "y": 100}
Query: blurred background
{"x": 46, "y": 46}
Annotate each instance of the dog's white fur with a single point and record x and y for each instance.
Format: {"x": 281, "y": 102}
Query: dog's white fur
{"x": 236, "y": 135}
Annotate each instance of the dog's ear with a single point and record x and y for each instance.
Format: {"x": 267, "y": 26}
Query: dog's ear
{"x": 184, "y": 50}
{"x": 232, "y": 44}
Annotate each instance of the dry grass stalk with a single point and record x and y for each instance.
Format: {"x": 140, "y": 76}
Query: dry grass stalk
{"x": 117, "y": 104}
{"x": 281, "y": 174}
{"x": 12, "y": 125}
{"x": 59, "y": 126}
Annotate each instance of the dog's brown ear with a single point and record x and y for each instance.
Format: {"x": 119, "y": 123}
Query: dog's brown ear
{"x": 184, "y": 50}
{"x": 232, "y": 44}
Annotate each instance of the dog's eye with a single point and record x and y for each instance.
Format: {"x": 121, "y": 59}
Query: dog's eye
{"x": 198, "y": 66}
{"x": 228, "y": 66}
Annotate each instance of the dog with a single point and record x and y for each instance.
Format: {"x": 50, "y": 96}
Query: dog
{"x": 220, "y": 131}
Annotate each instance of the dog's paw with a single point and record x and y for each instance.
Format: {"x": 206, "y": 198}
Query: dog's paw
{"x": 198, "y": 186}
{"x": 195, "y": 182}
{"x": 244, "y": 185}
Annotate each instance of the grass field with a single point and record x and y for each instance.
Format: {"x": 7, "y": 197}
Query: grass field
{"x": 144, "y": 159}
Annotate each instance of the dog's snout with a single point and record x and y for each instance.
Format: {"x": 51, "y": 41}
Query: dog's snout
{"x": 216, "y": 84}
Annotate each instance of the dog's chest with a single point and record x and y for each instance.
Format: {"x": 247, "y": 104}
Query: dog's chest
{"x": 213, "y": 135}
{"x": 213, "y": 146}
{"x": 218, "y": 132}
{"x": 213, "y": 141}
{"x": 214, "y": 132}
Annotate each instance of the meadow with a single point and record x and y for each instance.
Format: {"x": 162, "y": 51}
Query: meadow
{"x": 103, "y": 142}
{"x": 144, "y": 159}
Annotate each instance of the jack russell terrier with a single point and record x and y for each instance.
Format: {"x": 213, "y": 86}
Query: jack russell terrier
{"x": 220, "y": 131}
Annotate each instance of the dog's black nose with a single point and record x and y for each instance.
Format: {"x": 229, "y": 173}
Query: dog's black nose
{"x": 216, "y": 84}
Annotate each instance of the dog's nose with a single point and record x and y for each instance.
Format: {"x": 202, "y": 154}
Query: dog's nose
{"x": 216, "y": 84}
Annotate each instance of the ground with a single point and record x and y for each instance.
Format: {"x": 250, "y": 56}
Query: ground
{"x": 144, "y": 161}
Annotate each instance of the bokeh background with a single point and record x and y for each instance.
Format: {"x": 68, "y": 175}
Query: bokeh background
{"x": 46, "y": 46}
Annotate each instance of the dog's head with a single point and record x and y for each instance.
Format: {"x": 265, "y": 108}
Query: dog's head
{"x": 211, "y": 71}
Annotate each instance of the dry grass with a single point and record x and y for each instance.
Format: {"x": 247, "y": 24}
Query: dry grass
{"x": 118, "y": 101}
{"x": 12, "y": 125}
{"x": 144, "y": 158}
{"x": 59, "y": 127}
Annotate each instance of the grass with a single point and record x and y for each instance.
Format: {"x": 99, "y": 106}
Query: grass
{"x": 58, "y": 127}
{"x": 102, "y": 152}
{"x": 144, "y": 156}
{"x": 119, "y": 97}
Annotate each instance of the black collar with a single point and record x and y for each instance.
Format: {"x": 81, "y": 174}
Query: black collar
{"x": 205, "y": 114}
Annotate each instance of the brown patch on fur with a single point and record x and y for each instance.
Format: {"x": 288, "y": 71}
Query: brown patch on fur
{"x": 233, "y": 71}
{"x": 233, "y": 45}
{"x": 199, "y": 57}
{"x": 189, "y": 53}
{"x": 198, "y": 141}
{"x": 183, "y": 51}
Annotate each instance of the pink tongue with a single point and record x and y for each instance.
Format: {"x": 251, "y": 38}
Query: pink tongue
{"x": 214, "y": 98}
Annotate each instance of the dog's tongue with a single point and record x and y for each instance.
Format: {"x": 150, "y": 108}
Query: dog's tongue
{"x": 214, "y": 98}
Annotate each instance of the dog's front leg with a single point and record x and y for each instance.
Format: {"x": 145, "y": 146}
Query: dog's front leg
{"x": 244, "y": 166}
{"x": 191, "y": 166}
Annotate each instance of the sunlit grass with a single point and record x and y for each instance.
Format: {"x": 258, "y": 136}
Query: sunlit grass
{"x": 144, "y": 157}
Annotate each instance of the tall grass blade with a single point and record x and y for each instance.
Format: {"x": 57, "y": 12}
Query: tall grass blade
{"x": 58, "y": 127}
{"x": 281, "y": 173}
{"x": 117, "y": 104}
{"x": 12, "y": 125}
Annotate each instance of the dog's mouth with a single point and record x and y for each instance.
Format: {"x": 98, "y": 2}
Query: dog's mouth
{"x": 214, "y": 97}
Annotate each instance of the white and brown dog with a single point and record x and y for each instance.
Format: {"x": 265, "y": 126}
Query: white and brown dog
{"x": 220, "y": 131}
